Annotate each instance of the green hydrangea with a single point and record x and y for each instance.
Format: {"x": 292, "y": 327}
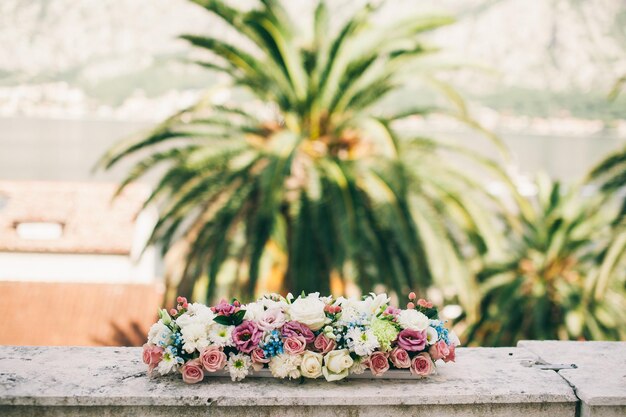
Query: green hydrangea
{"x": 385, "y": 331}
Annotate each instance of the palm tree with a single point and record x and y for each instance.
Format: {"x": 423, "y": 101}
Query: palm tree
{"x": 617, "y": 87}
{"x": 610, "y": 175}
{"x": 565, "y": 277}
{"x": 310, "y": 164}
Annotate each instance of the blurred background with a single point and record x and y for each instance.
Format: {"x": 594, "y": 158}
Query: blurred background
{"x": 539, "y": 254}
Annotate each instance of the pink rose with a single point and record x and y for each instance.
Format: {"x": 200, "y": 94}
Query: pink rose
{"x": 213, "y": 359}
{"x": 246, "y": 336}
{"x": 378, "y": 363}
{"x": 192, "y": 371}
{"x": 152, "y": 355}
{"x": 324, "y": 344}
{"x": 400, "y": 358}
{"x": 258, "y": 359}
{"x": 258, "y": 356}
{"x": 293, "y": 328}
{"x": 422, "y": 365}
{"x": 274, "y": 318}
{"x": 451, "y": 356}
{"x": 294, "y": 345}
{"x": 439, "y": 350}
{"x": 412, "y": 340}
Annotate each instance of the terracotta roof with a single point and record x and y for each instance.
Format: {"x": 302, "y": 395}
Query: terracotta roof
{"x": 91, "y": 221}
{"x": 77, "y": 314}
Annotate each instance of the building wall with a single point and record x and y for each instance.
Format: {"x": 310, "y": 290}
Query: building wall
{"x": 77, "y": 314}
{"x": 60, "y": 267}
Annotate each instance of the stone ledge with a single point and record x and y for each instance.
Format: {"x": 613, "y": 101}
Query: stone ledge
{"x": 599, "y": 380}
{"x": 112, "y": 381}
{"x": 475, "y": 410}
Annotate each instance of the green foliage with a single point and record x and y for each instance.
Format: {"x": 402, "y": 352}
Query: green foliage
{"x": 312, "y": 163}
{"x": 565, "y": 277}
{"x": 234, "y": 319}
{"x": 610, "y": 175}
{"x": 617, "y": 87}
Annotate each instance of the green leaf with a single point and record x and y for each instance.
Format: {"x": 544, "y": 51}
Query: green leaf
{"x": 223, "y": 320}
{"x": 237, "y": 318}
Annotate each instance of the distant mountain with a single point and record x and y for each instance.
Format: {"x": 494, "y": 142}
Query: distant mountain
{"x": 112, "y": 58}
{"x": 558, "y": 45}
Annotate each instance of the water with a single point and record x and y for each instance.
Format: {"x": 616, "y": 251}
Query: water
{"x": 63, "y": 150}
{"x": 67, "y": 150}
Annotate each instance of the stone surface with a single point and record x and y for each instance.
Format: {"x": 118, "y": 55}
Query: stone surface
{"x": 600, "y": 375}
{"x": 112, "y": 381}
{"x": 599, "y": 379}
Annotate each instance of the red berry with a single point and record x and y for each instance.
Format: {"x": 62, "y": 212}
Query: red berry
{"x": 424, "y": 303}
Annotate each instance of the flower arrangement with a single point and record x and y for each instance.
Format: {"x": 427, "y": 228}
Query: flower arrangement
{"x": 308, "y": 336}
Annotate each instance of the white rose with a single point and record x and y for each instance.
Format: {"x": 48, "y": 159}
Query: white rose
{"x": 337, "y": 364}
{"x": 308, "y": 311}
{"x": 311, "y": 366}
{"x": 413, "y": 320}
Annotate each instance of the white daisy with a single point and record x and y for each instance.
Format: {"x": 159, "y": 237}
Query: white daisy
{"x": 196, "y": 313}
{"x": 285, "y": 365}
{"x": 363, "y": 343}
{"x": 358, "y": 367}
{"x": 220, "y": 335}
{"x": 195, "y": 336}
{"x": 238, "y": 366}
{"x": 348, "y": 315}
{"x": 167, "y": 365}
